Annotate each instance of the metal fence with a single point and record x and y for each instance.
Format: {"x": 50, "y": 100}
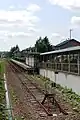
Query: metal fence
{"x": 67, "y": 67}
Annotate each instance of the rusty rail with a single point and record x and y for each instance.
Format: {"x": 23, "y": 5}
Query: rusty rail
{"x": 49, "y": 114}
{"x": 60, "y": 108}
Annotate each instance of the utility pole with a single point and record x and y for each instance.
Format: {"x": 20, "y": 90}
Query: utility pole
{"x": 71, "y": 33}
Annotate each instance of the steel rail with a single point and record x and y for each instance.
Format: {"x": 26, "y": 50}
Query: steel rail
{"x": 49, "y": 114}
{"x": 60, "y": 108}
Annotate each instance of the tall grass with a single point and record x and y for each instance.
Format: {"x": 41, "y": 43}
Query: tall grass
{"x": 2, "y": 92}
{"x": 2, "y": 67}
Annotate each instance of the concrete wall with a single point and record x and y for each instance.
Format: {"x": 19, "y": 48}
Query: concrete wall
{"x": 27, "y": 61}
{"x": 30, "y": 61}
{"x": 64, "y": 79}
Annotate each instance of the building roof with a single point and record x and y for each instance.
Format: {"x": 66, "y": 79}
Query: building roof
{"x": 70, "y": 49}
{"x": 66, "y": 41}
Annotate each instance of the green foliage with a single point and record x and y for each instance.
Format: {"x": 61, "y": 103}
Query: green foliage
{"x": 2, "y": 101}
{"x": 43, "y": 45}
{"x": 14, "y": 50}
{"x": 70, "y": 96}
{"x": 2, "y": 67}
{"x": 66, "y": 94}
{"x": 2, "y": 93}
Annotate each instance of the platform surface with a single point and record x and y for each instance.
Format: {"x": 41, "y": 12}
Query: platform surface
{"x": 21, "y": 64}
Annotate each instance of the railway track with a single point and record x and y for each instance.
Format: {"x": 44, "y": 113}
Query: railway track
{"x": 36, "y": 94}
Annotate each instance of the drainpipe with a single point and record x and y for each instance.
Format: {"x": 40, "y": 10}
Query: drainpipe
{"x": 8, "y": 106}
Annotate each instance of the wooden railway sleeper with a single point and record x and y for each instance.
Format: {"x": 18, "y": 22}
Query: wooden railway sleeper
{"x": 49, "y": 114}
{"x": 47, "y": 95}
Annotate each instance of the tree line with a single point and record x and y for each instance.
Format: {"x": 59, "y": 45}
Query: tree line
{"x": 41, "y": 45}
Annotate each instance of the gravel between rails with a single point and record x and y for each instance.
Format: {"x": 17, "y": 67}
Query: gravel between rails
{"x": 24, "y": 105}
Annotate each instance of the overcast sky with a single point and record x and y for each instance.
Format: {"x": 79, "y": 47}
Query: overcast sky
{"x": 23, "y": 21}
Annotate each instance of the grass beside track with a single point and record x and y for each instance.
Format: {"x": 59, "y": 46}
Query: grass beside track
{"x": 3, "y": 115}
{"x": 67, "y": 94}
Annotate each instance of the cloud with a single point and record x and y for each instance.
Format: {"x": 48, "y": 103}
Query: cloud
{"x": 33, "y": 29}
{"x": 75, "y": 21}
{"x": 33, "y": 8}
{"x": 56, "y": 38}
{"x": 20, "y": 34}
{"x": 56, "y": 35}
{"x": 12, "y": 7}
{"x": 67, "y": 4}
{"x": 17, "y": 17}
{"x": 19, "y": 23}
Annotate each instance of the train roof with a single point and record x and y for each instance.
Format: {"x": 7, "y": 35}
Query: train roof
{"x": 70, "y": 49}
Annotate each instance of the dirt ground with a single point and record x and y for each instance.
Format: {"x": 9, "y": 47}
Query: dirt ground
{"x": 22, "y": 106}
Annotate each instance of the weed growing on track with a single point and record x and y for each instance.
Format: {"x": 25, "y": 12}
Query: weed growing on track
{"x": 67, "y": 94}
{"x": 3, "y": 115}
{"x": 2, "y": 67}
{"x": 71, "y": 97}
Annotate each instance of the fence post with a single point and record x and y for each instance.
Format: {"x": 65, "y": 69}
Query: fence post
{"x": 61, "y": 62}
{"x": 69, "y": 63}
{"x": 78, "y": 63}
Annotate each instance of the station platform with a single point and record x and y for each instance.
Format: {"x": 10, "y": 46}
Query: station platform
{"x": 24, "y": 66}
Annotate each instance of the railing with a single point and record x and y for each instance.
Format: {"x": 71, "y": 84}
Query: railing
{"x": 66, "y": 67}
{"x": 74, "y": 68}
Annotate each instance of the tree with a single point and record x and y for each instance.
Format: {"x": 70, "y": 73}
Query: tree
{"x": 14, "y": 50}
{"x": 43, "y": 45}
{"x": 17, "y": 48}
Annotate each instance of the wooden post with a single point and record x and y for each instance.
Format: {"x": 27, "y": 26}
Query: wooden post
{"x": 69, "y": 62}
{"x": 78, "y": 63}
{"x": 61, "y": 62}
{"x": 51, "y": 61}
{"x": 55, "y": 76}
